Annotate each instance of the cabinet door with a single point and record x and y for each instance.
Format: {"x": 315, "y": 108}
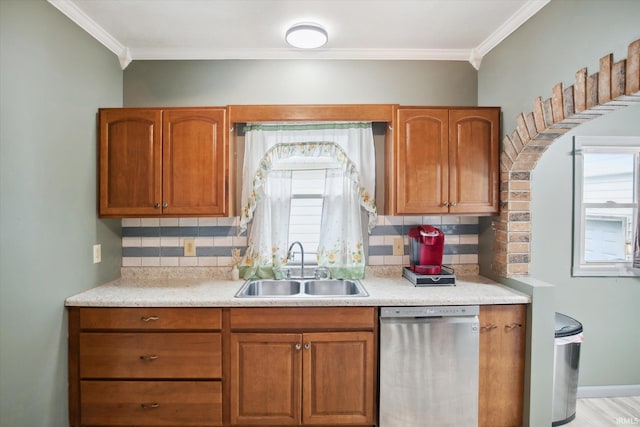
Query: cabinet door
{"x": 473, "y": 160}
{"x": 195, "y": 162}
{"x": 130, "y": 152}
{"x": 338, "y": 378}
{"x": 502, "y": 357}
{"x": 265, "y": 379}
{"x": 422, "y": 161}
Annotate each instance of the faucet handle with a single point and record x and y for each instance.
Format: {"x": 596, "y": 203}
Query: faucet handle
{"x": 326, "y": 273}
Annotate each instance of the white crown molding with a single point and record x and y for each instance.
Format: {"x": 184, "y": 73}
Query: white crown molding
{"x": 73, "y": 12}
{"x": 513, "y": 23}
{"x": 475, "y": 58}
{"x": 127, "y": 54}
{"x": 285, "y": 53}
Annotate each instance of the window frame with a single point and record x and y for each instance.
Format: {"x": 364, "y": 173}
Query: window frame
{"x": 612, "y": 145}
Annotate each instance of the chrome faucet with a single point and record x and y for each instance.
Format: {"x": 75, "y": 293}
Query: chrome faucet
{"x": 302, "y": 258}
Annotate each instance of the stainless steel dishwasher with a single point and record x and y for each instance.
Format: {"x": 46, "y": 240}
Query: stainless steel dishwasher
{"x": 429, "y": 366}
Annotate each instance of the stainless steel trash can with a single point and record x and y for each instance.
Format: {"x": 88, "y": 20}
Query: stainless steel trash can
{"x": 568, "y": 336}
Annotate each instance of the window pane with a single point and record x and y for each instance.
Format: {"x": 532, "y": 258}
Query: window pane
{"x": 605, "y": 205}
{"x": 307, "y": 188}
{"x": 608, "y": 178}
{"x": 608, "y": 235}
{"x": 308, "y": 181}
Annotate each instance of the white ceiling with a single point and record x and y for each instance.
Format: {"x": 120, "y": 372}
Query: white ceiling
{"x": 462, "y": 30}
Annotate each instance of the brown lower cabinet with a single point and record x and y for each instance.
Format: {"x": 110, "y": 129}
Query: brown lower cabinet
{"x": 502, "y": 359}
{"x": 261, "y": 366}
{"x": 145, "y": 367}
{"x": 298, "y": 379}
{"x": 183, "y": 367}
{"x": 293, "y": 366}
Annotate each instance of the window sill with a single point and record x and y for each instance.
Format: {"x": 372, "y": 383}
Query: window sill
{"x": 619, "y": 270}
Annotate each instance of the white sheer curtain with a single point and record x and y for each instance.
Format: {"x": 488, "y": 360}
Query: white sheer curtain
{"x": 267, "y": 245}
{"x": 341, "y": 244}
{"x": 346, "y": 150}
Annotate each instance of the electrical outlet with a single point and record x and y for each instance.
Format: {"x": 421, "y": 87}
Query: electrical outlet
{"x": 97, "y": 253}
{"x": 398, "y": 246}
{"x": 190, "y": 246}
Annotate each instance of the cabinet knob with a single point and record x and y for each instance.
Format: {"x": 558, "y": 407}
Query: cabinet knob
{"x": 307, "y": 346}
{"x": 164, "y": 205}
{"x": 298, "y": 346}
{"x": 150, "y": 318}
{"x": 454, "y": 203}
{"x": 513, "y": 326}
{"x": 446, "y": 203}
{"x": 157, "y": 206}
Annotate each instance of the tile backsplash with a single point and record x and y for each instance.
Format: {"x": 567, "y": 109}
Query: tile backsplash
{"x": 159, "y": 242}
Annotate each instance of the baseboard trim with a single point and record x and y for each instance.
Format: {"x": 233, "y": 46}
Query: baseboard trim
{"x": 609, "y": 391}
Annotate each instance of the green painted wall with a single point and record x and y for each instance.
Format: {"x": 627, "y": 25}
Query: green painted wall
{"x": 53, "y": 78}
{"x": 563, "y": 37}
{"x": 607, "y": 306}
{"x": 551, "y": 47}
{"x": 177, "y": 83}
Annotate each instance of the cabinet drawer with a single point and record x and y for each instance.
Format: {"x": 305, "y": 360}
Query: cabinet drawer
{"x": 151, "y": 318}
{"x": 150, "y": 355}
{"x": 151, "y": 403}
{"x": 298, "y": 318}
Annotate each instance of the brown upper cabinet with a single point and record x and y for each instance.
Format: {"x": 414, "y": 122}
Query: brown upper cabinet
{"x": 155, "y": 162}
{"x": 444, "y": 160}
{"x": 176, "y": 161}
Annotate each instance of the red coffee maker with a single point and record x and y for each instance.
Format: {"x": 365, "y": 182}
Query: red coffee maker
{"x": 426, "y": 246}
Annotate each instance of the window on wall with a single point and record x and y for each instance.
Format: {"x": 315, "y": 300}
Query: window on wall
{"x": 605, "y": 205}
{"x": 307, "y": 189}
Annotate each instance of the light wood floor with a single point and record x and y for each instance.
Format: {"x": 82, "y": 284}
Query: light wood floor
{"x": 605, "y": 412}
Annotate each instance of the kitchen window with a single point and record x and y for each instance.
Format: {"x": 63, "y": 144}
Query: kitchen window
{"x": 606, "y": 206}
{"x": 307, "y": 189}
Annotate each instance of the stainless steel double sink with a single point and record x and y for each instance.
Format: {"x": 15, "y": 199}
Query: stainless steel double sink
{"x": 301, "y": 288}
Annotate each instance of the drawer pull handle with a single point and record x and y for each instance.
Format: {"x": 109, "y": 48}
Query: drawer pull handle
{"x": 151, "y": 357}
{"x": 488, "y": 327}
{"x": 150, "y": 405}
{"x": 150, "y": 318}
{"x": 513, "y": 326}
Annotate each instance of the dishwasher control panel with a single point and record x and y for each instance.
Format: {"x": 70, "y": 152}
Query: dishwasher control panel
{"x": 430, "y": 311}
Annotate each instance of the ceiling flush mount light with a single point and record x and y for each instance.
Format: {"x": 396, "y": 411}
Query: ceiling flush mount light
{"x": 306, "y": 36}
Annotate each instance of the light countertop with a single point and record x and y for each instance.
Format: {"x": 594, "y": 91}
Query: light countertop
{"x": 383, "y": 291}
